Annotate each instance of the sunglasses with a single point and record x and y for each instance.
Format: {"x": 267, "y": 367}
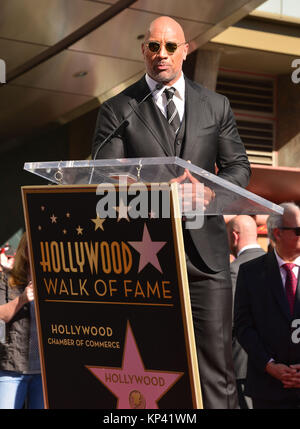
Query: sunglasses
{"x": 296, "y": 229}
{"x": 170, "y": 46}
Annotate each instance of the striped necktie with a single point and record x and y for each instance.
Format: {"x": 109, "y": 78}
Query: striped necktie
{"x": 172, "y": 113}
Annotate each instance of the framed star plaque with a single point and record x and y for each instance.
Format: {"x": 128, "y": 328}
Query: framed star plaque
{"x": 111, "y": 297}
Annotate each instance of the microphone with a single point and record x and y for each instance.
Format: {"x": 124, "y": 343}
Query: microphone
{"x": 107, "y": 139}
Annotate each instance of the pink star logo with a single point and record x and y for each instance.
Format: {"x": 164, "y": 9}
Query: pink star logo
{"x": 133, "y": 385}
{"x": 148, "y": 250}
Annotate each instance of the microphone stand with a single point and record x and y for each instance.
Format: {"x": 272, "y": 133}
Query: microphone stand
{"x": 107, "y": 139}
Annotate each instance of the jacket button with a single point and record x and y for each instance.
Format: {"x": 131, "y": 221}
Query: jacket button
{"x": 178, "y": 142}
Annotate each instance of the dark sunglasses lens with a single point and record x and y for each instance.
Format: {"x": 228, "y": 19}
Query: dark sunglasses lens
{"x": 296, "y": 229}
{"x": 153, "y": 46}
{"x": 171, "y": 47}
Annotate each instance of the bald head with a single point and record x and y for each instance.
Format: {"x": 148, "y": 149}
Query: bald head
{"x": 165, "y": 24}
{"x": 242, "y": 231}
{"x": 245, "y": 225}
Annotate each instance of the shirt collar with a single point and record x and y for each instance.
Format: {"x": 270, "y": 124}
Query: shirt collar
{"x": 179, "y": 85}
{"x": 249, "y": 246}
{"x": 282, "y": 262}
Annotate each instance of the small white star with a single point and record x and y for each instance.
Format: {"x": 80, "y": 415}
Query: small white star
{"x": 53, "y": 218}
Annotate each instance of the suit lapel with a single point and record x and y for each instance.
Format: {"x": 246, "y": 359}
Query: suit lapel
{"x": 195, "y": 118}
{"x": 273, "y": 274}
{"x": 147, "y": 113}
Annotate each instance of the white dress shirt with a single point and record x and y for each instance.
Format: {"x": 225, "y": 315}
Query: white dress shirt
{"x": 160, "y": 98}
{"x": 283, "y": 271}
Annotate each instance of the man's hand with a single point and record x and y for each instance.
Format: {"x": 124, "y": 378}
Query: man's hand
{"x": 286, "y": 374}
{"x": 193, "y": 196}
{"x": 293, "y": 380}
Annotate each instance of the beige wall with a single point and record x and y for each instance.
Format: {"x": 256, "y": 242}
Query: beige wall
{"x": 288, "y": 122}
{"x": 206, "y": 68}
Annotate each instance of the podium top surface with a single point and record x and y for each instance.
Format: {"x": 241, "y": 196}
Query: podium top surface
{"x": 230, "y": 198}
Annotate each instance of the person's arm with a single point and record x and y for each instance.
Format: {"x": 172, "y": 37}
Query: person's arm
{"x": 232, "y": 161}
{"x": 8, "y": 310}
{"x": 244, "y": 323}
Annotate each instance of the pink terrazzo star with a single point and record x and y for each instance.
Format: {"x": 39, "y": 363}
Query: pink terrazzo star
{"x": 148, "y": 250}
{"x": 133, "y": 385}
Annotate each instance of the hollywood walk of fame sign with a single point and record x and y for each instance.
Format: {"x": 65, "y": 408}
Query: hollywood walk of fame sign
{"x": 112, "y": 302}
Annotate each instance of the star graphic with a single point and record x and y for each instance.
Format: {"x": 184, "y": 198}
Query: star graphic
{"x": 79, "y": 230}
{"x": 98, "y": 223}
{"x": 148, "y": 250}
{"x": 123, "y": 211}
{"x": 133, "y": 385}
{"x": 53, "y": 218}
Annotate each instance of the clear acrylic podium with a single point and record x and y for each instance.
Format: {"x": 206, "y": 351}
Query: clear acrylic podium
{"x": 230, "y": 199}
{"x": 112, "y": 297}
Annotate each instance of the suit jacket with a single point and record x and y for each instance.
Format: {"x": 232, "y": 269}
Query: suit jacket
{"x": 211, "y": 138}
{"x": 238, "y": 353}
{"x": 262, "y": 321}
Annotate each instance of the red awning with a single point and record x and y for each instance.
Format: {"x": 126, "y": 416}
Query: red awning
{"x": 276, "y": 184}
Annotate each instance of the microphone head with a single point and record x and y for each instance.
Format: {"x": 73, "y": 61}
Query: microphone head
{"x": 159, "y": 86}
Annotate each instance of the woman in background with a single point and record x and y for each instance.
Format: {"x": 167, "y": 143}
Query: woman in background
{"x": 20, "y": 374}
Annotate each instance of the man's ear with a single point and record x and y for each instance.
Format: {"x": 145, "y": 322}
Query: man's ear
{"x": 186, "y": 50}
{"x": 277, "y": 233}
{"x": 235, "y": 236}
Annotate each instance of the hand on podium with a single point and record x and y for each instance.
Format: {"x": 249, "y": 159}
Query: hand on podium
{"x": 192, "y": 194}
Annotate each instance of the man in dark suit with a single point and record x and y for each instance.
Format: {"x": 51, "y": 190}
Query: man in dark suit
{"x": 267, "y": 316}
{"x": 205, "y": 134}
{"x": 242, "y": 236}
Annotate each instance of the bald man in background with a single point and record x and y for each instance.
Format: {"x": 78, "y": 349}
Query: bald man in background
{"x": 242, "y": 236}
{"x": 206, "y": 135}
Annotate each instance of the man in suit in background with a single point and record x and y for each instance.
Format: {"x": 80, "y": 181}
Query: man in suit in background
{"x": 182, "y": 118}
{"x": 242, "y": 236}
{"x": 267, "y": 316}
